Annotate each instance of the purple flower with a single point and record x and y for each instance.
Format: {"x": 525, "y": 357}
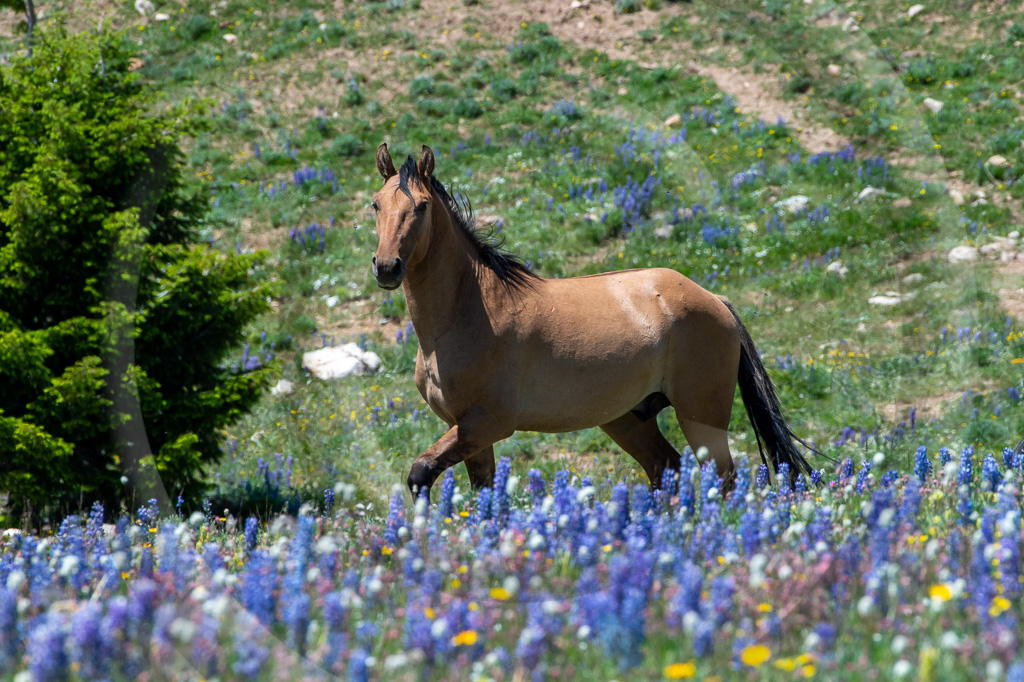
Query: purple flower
{"x": 47, "y": 658}
{"x": 922, "y": 466}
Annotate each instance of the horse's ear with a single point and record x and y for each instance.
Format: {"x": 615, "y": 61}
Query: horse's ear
{"x": 384, "y": 165}
{"x": 425, "y": 166}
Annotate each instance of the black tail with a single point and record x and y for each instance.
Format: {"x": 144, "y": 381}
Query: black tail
{"x": 770, "y": 428}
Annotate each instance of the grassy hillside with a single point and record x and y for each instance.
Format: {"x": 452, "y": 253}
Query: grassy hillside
{"x": 564, "y": 149}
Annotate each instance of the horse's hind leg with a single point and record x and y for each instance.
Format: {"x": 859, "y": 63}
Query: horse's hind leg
{"x": 716, "y": 440}
{"x": 644, "y": 441}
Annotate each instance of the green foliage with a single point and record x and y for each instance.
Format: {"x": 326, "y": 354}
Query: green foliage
{"x": 114, "y": 323}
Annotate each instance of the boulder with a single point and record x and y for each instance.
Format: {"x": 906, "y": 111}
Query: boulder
{"x": 962, "y": 254}
{"x": 337, "y": 362}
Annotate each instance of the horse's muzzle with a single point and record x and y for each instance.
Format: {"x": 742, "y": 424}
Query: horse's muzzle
{"x": 389, "y": 275}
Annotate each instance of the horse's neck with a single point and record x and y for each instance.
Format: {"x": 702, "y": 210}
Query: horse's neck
{"x": 441, "y": 284}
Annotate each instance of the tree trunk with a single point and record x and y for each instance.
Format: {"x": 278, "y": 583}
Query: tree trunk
{"x": 30, "y": 14}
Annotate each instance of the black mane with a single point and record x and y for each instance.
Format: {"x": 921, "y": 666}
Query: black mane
{"x": 511, "y": 271}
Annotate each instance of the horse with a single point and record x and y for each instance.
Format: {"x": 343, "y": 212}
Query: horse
{"x": 502, "y": 349}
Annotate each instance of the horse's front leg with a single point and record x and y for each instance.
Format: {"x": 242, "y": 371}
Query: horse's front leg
{"x": 473, "y": 433}
{"x": 481, "y": 468}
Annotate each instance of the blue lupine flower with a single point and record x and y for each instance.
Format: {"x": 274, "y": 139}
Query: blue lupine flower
{"x": 991, "y": 477}
{"x": 966, "y": 466}
{"x": 48, "y": 659}
{"x": 922, "y": 466}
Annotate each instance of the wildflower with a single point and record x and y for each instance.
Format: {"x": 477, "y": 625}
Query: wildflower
{"x": 922, "y": 466}
{"x": 465, "y": 638}
{"x": 940, "y": 592}
{"x": 680, "y": 671}
{"x": 755, "y": 655}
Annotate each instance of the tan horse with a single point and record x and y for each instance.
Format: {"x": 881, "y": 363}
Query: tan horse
{"x": 502, "y": 349}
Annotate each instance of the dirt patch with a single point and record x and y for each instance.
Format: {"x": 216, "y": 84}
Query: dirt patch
{"x": 352, "y": 319}
{"x": 757, "y": 94}
{"x": 598, "y": 26}
{"x": 1011, "y": 296}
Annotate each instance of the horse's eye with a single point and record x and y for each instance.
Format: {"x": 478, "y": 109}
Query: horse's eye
{"x": 421, "y": 207}
{"x": 374, "y": 206}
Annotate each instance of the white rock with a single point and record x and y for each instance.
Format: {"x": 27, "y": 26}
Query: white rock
{"x": 889, "y": 298}
{"x": 144, "y": 7}
{"x": 339, "y": 362}
{"x": 834, "y": 69}
{"x": 230, "y": 37}
{"x": 793, "y": 204}
{"x": 664, "y": 232}
{"x": 162, "y": 16}
{"x": 1007, "y": 256}
{"x": 915, "y": 10}
{"x": 1015, "y": 235}
{"x": 282, "y": 387}
{"x": 580, "y": 4}
{"x": 902, "y": 202}
{"x": 962, "y": 254}
{"x": 673, "y": 120}
{"x": 913, "y": 278}
{"x": 991, "y": 250}
{"x": 870, "y": 193}
{"x": 933, "y": 105}
{"x": 836, "y": 267}
{"x": 850, "y": 25}
{"x": 997, "y": 161}
{"x": 957, "y": 197}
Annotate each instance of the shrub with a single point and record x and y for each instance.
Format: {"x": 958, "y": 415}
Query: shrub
{"x": 346, "y": 144}
{"x": 114, "y": 321}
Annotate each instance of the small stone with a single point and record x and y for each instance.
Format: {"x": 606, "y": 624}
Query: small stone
{"x": 161, "y": 16}
{"x": 230, "y": 37}
{"x": 962, "y": 254}
{"x": 915, "y": 10}
{"x": 997, "y": 161}
{"x": 673, "y": 120}
{"x": 870, "y": 193}
{"x": 933, "y": 105}
{"x": 282, "y": 387}
{"x": 902, "y": 202}
{"x": 793, "y": 204}
{"x": 990, "y": 250}
{"x": 889, "y": 299}
{"x": 850, "y": 25}
{"x": 663, "y": 232}
{"x": 836, "y": 267}
{"x": 144, "y": 7}
{"x": 913, "y": 278}
{"x": 622, "y": 91}
{"x": 1015, "y": 235}
{"x": 957, "y": 197}
{"x": 834, "y": 69}
{"x": 1008, "y": 256}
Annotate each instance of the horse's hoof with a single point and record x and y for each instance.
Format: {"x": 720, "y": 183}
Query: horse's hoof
{"x": 421, "y": 478}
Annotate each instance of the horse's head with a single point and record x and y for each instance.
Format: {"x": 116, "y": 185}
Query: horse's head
{"x": 402, "y": 207}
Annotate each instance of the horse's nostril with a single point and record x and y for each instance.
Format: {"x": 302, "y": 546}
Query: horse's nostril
{"x": 373, "y": 261}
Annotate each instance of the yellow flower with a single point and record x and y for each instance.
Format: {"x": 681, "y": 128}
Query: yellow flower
{"x": 755, "y": 655}
{"x": 500, "y": 593}
{"x": 680, "y": 671}
{"x": 466, "y": 637}
{"x": 764, "y": 608}
{"x": 808, "y": 671}
{"x": 385, "y": 550}
{"x": 999, "y": 604}
{"x": 940, "y": 592}
{"x": 787, "y": 664}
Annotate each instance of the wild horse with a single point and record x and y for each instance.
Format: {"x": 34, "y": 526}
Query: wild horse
{"x": 502, "y": 349}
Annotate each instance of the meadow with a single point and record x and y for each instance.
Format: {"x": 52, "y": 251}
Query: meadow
{"x": 822, "y": 200}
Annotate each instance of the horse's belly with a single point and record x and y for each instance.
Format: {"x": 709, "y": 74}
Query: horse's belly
{"x": 567, "y": 395}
